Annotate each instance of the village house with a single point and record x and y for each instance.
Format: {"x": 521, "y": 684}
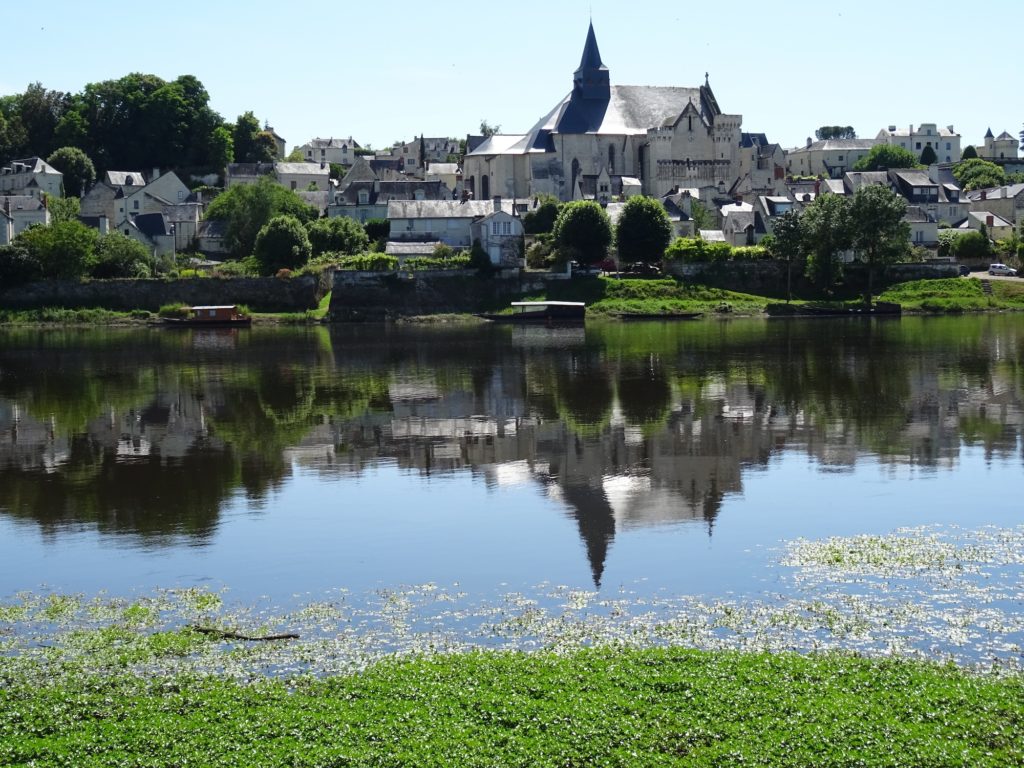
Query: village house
{"x": 332, "y": 150}
{"x": 153, "y": 230}
{"x": 1007, "y": 201}
{"x": 18, "y": 213}
{"x": 655, "y": 137}
{"x": 944, "y": 141}
{"x": 1001, "y": 147}
{"x": 496, "y": 224}
{"x": 996, "y": 227}
{"x": 32, "y": 177}
{"x": 279, "y": 142}
{"x": 830, "y": 158}
{"x": 448, "y": 174}
{"x": 299, "y": 177}
{"x": 107, "y": 196}
{"x": 362, "y": 195}
{"x": 414, "y": 156}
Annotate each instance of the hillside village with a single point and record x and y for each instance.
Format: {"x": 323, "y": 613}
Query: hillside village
{"x": 716, "y": 180}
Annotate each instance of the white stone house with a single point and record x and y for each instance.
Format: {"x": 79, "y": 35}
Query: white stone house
{"x": 495, "y": 223}
{"x": 945, "y": 141}
{"x": 1007, "y": 201}
{"x": 997, "y": 227}
{"x": 830, "y": 158}
{"x": 31, "y": 177}
{"x": 107, "y": 196}
{"x": 153, "y": 230}
{"x": 1001, "y": 147}
{"x": 18, "y": 213}
{"x": 339, "y": 151}
{"x": 299, "y": 177}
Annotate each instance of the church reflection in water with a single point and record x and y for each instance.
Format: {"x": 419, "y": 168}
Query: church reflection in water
{"x": 152, "y": 434}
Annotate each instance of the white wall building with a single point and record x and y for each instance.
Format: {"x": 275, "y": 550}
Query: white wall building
{"x": 945, "y": 141}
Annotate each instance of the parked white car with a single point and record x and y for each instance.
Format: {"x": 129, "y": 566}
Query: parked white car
{"x": 1001, "y": 269}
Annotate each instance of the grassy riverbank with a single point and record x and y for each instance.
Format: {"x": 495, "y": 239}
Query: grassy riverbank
{"x": 955, "y": 295}
{"x": 597, "y": 707}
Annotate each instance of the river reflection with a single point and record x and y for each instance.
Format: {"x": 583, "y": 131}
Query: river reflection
{"x": 155, "y": 435}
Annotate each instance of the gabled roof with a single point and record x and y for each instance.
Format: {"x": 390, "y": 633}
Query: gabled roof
{"x": 21, "y": 203}
{"x": 33, "y": 165}
{"x": 995, "y": 193}
{"x": 444, "y": 209}
{"x": 152, "y": 224}
{"x": 332, "y": 143}
{"x": 983, "y": 216}
{"x": 1004, "y": 136}
{"x": 501, "y": 144}
{"x": 303, "y": 169}
{"x": 124, "y": 179}
{"x": 360, "y": 171}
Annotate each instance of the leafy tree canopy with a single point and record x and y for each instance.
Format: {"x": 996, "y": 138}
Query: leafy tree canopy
{"x": 582, "y": 231}
{"x": 877, "y": 229}
{"x": 835, "y": 132}
{"x": 542, "y": 218}
{"x": 825, "y": 233}
{"x": 487, "y": 130}
{"x": 644, "y": 230}
{"x": 978, "y": 174}
{"x": 928, "y": 156}
{"x": 885, "y": 156}
{"x": 65, "y": 250}
{"x": 969, "y": 153}
{"x": 79, "y": 172}
{"x": 63, "y": 208}
{"x": 118, "y": 255}
{"x": 246, "y": 208}
{"x": 282, "y": 244}
{"x": 17, "y": 266}
{"x": 339, "y": 234}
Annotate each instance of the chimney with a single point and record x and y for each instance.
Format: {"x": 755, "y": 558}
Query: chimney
{"x": 497, "y": 203}
{"x": 808, "y": 141}
{"x": 155, "y": 175}
{"x": 817, "y": 187}
{"x": 990, "y": 220}
{"x": 984, "y": 195}
{"x": 950, "y": 128}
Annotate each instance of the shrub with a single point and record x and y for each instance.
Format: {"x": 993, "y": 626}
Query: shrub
{"x": 685, "y": 249}
{"x": 541, "y": 254}
{"x": 339, "y": 234}
{"x": 460, "y": 261}
{"x": 369, "y": 262}
{"x": 177, "y": 310}
{"x": 17, "y": 266}
{"x": 282, "y": 243}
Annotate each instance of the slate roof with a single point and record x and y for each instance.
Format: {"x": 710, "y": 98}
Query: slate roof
{"x": 982, "y": 216}
{"x": 360, "y": 171}
{"x": 444, "y": 209}
{"x": 152, "y": 224}
{"x": 913, "y": 178}
{"x": 249, "y": 169}
{"x": 501, "y": 144}
{"x": 854, "y": 180}
{"x": 304, "y": 169}
{"x": 20, "y": 203}
{"x": 748, "y": 140}
{"x": 443, "y": 168}
{"x": 630, "y": 109}
{"x": 1004, "y": 135}
{"x": 830, "y": 145}
{"x": 32, "y": 165}
{"x": 332, "y": 143}
{"x": 916, "y": 215}
{"x": 996, "y": 193}
{"x": 124, "y": 179}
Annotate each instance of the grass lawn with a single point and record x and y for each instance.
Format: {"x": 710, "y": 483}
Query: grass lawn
{"x": 608, "y": 707}
{"x": 956, "y": 295}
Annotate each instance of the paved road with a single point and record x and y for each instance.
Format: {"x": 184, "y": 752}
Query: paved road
{"x": 986, "y": 276}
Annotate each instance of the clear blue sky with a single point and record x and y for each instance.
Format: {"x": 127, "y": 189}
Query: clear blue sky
{"x": 387, "y": 71}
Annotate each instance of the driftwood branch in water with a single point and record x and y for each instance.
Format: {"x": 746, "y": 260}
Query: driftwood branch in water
{"x": 224, "y": 634}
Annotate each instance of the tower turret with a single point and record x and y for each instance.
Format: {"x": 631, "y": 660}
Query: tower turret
{"x": 591, "y": 80}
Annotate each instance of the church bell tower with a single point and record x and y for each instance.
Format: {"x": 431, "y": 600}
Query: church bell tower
{"x": 591, "y": 80}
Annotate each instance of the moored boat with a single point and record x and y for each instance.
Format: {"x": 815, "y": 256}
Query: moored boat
{"x": 217, "y": 316}
{"x": 551, "y": 312}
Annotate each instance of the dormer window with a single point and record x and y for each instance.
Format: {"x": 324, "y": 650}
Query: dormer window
{"x": 364, "y": 197}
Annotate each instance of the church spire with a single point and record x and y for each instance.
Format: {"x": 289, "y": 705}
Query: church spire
{"x": 591, "y": 80}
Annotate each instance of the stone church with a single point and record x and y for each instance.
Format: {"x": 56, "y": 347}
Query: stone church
{"x": 603, "y": 141}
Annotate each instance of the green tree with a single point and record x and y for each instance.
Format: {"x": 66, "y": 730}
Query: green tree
{"x": 928, "y": 156}
{"x": 246, "y": 208}
{"x": 118, "y": 255}
{"x": 65, "y": 250}
{"x": 282, "y": 244}
{"x": 295, "y": 156}
{"x": 644, "y": 230}
{"x": 542, "y": 218}
{"x": 886, "y": 156}
{"x": 878, "y": 232}
{"x": 583, "y": 232}
{"x": 39, "y": 111}
{"x": 377, "y": 230}
{"x": 17, "y": 266}
{"x": 72, "y": 130}
{"x": 978, "y": 174}
{"x": 487, "y": 130}
{"x": 825, "y": 228}
{"x": 969, "y": 153}
{"x": 339, "y": 234}
{"x": 63, "y": 208}
{"x": 835, "y": 132}
{"x": 787, "y": 244}
{"x": 222, "y": 148}
{"x": 249, "y": 146}
{"x": 701, "y": 217}
{"x": 79, "y": 172}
